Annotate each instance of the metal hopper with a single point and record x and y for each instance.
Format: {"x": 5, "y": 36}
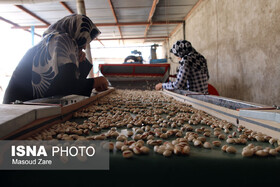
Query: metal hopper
{"x": 135, "y": 76}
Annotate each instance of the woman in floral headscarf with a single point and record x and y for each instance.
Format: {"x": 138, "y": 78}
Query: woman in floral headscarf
{"x": 57, "y": 65}
{"x": 193, "y": 72}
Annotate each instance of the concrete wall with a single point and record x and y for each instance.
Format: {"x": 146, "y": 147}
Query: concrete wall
{"x": 172, "y": 59}
{"x": 241, "y": 42}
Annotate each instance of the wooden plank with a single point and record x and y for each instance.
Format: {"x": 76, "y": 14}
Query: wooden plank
{"x": 14, "y": 116}
{"x": 258, "y": 128}
{"x": 192, "y": 10}
{"x": 72, "y": 108}
{"x": 109, "y": 24}
{"x": 29, "y": 126}
{"x": 115, "y": 16}
{"x": 66, "y": 114}
{"x": 18, "y": 26}
{"x": 186, "y": 17}
{"x": 32, "y": 14}
{"x": 151, "y": 14}
{"x": 207, "y": 107}
{"x": 269, "y": 128}
{"x": 136, "y": 38}
{"x": 64, "y": 4}
{"x": 272, "y": 115}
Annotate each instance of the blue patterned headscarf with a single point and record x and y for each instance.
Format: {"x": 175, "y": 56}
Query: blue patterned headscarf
{"x": 190, "y": 57}
{"x": 182, "y": 48}
{"x": 59, "y": 46}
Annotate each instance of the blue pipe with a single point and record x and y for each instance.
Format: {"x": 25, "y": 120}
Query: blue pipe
{"x": 32, "y": 34}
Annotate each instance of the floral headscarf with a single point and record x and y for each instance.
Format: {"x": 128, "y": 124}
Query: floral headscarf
{"x": 59, "y": 46}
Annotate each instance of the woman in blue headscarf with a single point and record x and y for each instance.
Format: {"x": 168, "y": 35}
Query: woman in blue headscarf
{"x": 57, "y": 65}
{"x": 193, "y": 72}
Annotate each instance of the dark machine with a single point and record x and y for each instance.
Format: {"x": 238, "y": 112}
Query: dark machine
{"x": 134, "y": 59}
{"x": 138, "y": 59}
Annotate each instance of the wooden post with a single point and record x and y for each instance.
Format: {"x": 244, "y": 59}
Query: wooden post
{"x": 81, "y": 9}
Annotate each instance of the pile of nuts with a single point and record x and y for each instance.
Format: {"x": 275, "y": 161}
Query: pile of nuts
{"x": 136, "y": 122}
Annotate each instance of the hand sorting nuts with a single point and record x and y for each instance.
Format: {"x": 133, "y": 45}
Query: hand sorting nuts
{"x": 136, "y": 122}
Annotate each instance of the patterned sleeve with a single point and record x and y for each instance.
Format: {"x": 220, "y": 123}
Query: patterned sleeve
{"x": 181, "y": 79}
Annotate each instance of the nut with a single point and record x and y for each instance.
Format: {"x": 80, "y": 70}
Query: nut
{"x": 231, "y": 149}
{"x": 145, "y": 150}
{"x": 207, "y": 134}
{"x": 177, "y": 150}
{"x": 260, "y": 138}
{"x": 221, "y": 136}
{"x": 216, "y": 143}
{"x": 207, "y": 145}
{"x": 137, "y": 137}
{"x": 199, "y": 131}
{"x": 186, "y": 150}
{"x": 261, "y": 153}
{"x": 226, "y": 131}
{"x": 160, "y": 150}
{"x": 119, "y": 145}
{"x": 129, "y": 133}
{"x": 99, "y": 137}
{"x": 247, "y": 152}
{"x": 163, "y": 136}
{"x": 121, "y": 138}
{"x": 257, "y": 148}
{"x": 150, "y": 137}
{"x": 202, "y": 139}
{"x": 154, "y": 142}
{"x": 129, "y": 142}
{"x": 179, "y": 134}
{"x": 124, "y": 148}
{"x": 115, "y": 134}
{"x": 156, "y": 148}
{"x": 136, "y": 150}
{"x": 224, "y": 147}
{"x": 129, "y": 126}
{"x": 272, "y": 141}
{"x": 139, "y": 131}
{"x": 197, "y": 143}
{"x": 127, "y": 154}
{"x": 167, "y": 153}
{"x": 109, "y": 145}
{"x": 273, "y": 152}
{"x": 230, "y": 140}
{"x": 217, "y": 133}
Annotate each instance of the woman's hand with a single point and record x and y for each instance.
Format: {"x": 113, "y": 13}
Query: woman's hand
{"x": 100, "y": 84}
{"x": 82, "y": 56}
{"x": 158, "y": 86}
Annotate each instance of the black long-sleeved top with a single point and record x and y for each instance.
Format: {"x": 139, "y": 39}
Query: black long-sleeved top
{"x": 65, "y": 83}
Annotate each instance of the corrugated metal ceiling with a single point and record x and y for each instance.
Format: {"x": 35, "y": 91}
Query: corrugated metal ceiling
{"x": 133, "y": 13}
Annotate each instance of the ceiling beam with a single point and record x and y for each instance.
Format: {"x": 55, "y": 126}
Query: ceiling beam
{"x": 175, "y": 29}
{"x": 115, "y": 16}
{"x": 185, "y": 18}
{"x": 32, "y": 14}
{"x": 191, "y": 11}
{"x": 16, "y": 25}
{"x": 151, "y": 14}
{"x": 113, "y": 24}
{"x": 136, "y": 23}
{"x": 66, "y": 7}
{"x": 136, "y": 38}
